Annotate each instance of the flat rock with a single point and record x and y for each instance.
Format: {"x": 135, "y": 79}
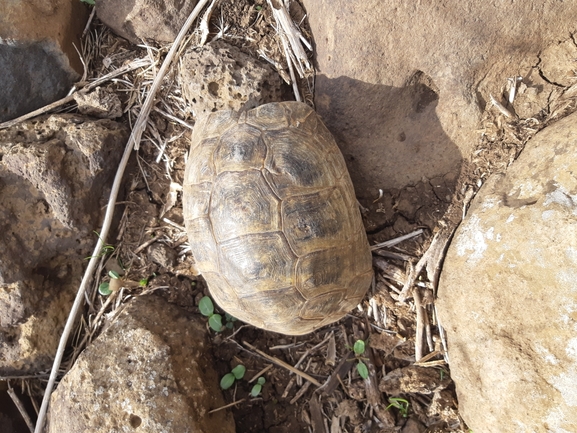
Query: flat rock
{"x": 143, "y": 20}
{"x": 150, "y": 370}
{"x": 219, "y": 76}
{"x": 507, "y": 293}
{"x": 38, "y": 61}
{"x": 53, "y": 173}
{"x": 402, "y": 85}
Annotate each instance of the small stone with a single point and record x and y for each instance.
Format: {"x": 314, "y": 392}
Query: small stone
{"x": 413, "y": 426}
{"x": 101, "y": 103}
{"x": 413, "y": 379}
{"x": 162, "y": 255}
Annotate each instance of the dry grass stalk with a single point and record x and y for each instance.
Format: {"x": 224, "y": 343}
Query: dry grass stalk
{"x": 292, "y": 42}
{"x": 20, "y": 408}
{"x": 234, "y": 403}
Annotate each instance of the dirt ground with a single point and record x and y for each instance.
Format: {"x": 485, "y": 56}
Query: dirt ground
{"x": 150, "y": 245}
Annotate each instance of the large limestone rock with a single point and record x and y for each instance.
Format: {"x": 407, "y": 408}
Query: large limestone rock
{"x": 402, "y": 84}
{"x": 54, "y": 171}
{"x": 38, "y": 61}
{"x": 150, "y": 371}
{"x": 507, "y": 294}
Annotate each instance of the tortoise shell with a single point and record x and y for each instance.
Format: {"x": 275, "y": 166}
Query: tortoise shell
{"x": 272, "y": 218}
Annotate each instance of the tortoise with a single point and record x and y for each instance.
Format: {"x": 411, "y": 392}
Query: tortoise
{"x": 272, "y": 218}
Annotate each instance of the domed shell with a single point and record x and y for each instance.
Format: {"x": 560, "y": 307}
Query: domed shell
{"x": 272, "y": 218}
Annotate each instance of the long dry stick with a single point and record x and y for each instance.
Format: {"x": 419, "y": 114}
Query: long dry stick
{"x": 133, "y": 140}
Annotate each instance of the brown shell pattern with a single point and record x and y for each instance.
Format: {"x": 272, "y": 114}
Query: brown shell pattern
{"x": 272, "y": 218}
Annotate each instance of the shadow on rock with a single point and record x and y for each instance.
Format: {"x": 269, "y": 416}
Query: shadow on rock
{"x": 392, "y": 140}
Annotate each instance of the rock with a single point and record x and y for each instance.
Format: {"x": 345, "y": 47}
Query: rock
{"x": 162, "y": 255}
{"x": 559, "y": 63}
{"x": 443, "y": 407}
{"x": 412, "y": 379}
{"x": 38, "y": 62}
{"x": 143, "y": 20}
{"x": 101, "y": 102}
{"x": 219, "y": 76}
{"x": 53, "y": 173}
{"x": 507, "y": 293}
{"x": 150, "y": 370}
{"x": 68, "y": 158}
{"x": 402, "y": 85}
{"x": 413, "y": 426}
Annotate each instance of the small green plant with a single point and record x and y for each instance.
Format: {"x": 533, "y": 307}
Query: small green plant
{"x": 104, "y": 288}
{"x": 229, "y": 320}
{"x": 401, "y": 404}
{"x": 90, "y": 2}
{"x": 257, "y": 388}
{"x": 359, "y": 349}
{"x": 106, "y": 249}
{"x": 206, "y": 308}
{"x": 228, "y": 379}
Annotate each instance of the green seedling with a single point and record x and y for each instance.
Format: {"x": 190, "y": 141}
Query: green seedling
{"x": 90, "y": 2}
{"x": 401, "y": 404}
{"x": 257, "y": 388}
{"x": 206, "y": 308}
{"x": 359, "y": 349}
{"x": 229, "y": 320}
{"x": 104, "y": 288}
{"x": 228, "y": 379}
{"x": 106, "y": 249}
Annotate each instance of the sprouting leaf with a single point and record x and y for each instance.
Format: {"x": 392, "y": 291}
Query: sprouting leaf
{"x": 229, "y": 318}
{"x": 215, "y": 322}
{"x": 114, "y": 274}
{"x": 104, "y": 289}
{"x": 359, "y": 347}
{"x": 401, "y": 404}
{"x": 239, "y": 371}
{"x": 227, "y": 381}
{"x": 261, "y": 380}
{"x": 143, "y": 282}
{"x": 363, "y": 370}
{"x": 256, "y": 389}
{"x": 206, "y": 306}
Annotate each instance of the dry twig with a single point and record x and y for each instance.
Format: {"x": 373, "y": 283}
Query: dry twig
{"x": 283, "y": 364}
